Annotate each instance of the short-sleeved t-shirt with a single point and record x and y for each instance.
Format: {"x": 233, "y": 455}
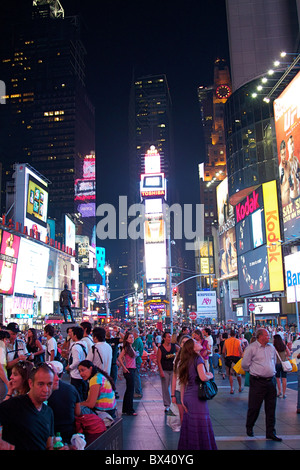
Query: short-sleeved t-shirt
{"x": 63, "y": 402}
{"x": 106, "y": 398}
{"x": 23, "y": 425}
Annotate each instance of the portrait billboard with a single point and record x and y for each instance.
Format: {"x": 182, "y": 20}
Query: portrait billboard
{"x": 227, "y": 235}
{"x": 9, "y": 253}
{"x": 287, "y": 127}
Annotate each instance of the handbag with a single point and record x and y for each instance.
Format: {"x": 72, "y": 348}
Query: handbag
{"x": 286, "y": 365}
{"x": 207, "y": 390}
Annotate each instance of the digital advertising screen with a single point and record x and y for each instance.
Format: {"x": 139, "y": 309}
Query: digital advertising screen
{"x": 32, "y": 268}
{"x": 260, "y": 267}
{"x": 287, "y": 127}
{"x": 253, "y": 272}
{"x": 227, "y": 235}
{"x": 37, "y": 201}
{"x": 156, "y": 262}
{"x": 70, "y": 233}
{"x": 9, "y": 253}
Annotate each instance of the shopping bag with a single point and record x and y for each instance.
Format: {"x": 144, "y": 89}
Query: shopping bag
{"x": 173, "y": 418}
{"x": 238, "y": 368}
{"x": 294, "y": 365}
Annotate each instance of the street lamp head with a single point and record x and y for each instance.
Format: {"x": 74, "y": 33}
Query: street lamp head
{"x": 107, "y": 269}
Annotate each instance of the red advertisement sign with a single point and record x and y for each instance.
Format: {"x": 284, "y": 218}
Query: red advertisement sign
{"x": 9, "y": 252}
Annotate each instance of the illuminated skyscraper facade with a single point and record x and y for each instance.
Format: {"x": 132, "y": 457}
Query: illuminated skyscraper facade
{"x": 48, "y": 120}
{"x": 150, "y": 123}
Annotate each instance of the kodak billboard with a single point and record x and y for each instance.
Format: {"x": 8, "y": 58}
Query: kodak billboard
{"x": 273, "y": 236}
{"x": 258, "y": 244}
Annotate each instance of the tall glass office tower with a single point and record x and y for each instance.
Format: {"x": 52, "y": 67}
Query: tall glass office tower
{"x": 48, "y": 120}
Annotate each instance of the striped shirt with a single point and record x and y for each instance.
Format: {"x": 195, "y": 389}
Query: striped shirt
{"x": 106, "y": 399}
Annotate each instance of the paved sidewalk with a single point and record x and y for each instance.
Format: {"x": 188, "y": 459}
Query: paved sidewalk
{"x": 149, "y": 431}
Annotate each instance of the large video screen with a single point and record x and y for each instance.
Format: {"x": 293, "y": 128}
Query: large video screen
{"x": 156, "y": 262}
{"x": 253, "y": 272}
{"x": 9, "y": 253}
{"x": 37, "y": 201}
{"x": 287, "y": 127}
{"x": 32, "y": 268}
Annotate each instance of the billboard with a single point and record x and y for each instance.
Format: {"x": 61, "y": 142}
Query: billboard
{"x": 70, "y": 233}
{"x": 37, "y": 201}
{"x": 292, "y": 276}
{"x": 32, "y": 269}
{"x": 227, "y": 236}
{"x": 287, "y": 127}
{"x": 206, "y": 302}
{"x": 260, "y": 268}
{"x": 9, "y": 252}
{"x": 156, "y": 262}
{"x": 31, "y": 200}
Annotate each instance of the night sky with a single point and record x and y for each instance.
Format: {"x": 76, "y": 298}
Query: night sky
{"x": 179, "y": 38}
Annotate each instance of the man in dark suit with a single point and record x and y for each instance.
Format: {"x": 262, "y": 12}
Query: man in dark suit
{"x": 65, "y": 301}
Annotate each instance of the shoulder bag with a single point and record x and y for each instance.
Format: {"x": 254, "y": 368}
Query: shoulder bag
{"x": 207, "y": 389}
{"x": 286, "y": 365}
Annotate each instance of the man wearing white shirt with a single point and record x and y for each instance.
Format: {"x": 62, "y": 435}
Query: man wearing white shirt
{"x": 77, "y": 353}
{"x": 51, "y": 345}
{"x": 87, "y": 338}
{"x": 101, "y": 352}
{"x": 207, "y": 335}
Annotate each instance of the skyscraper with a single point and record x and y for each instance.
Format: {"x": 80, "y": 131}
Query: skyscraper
{"x": 212, "y": 100}
{"x": 48, "y": 120}
{"x": 150, "y": 123}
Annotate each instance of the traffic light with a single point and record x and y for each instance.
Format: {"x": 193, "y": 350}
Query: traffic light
{"x": 215, "y": 283}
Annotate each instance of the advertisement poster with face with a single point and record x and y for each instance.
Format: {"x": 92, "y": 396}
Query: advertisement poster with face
{"x": 9, "y": 253}
{"x": 227, "y": 235}
{"x": 287, "y": 126}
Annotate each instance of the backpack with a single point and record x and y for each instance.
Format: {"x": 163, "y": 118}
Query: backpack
{"x": 71, "y": 357}
{"x": 96, "y": 349}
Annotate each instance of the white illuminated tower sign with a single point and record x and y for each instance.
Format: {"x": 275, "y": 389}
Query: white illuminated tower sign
{"x": 153, "y": 194}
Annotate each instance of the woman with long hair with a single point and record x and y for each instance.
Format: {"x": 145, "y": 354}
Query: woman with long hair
{"x": 196, "y": 430}
{"x": 284, "y": 354}
{"x": 101, "y": 394}
{"x": 34, "y": 346}
{"x": 128, "y": 363}
{"x": 175, "y": 386}
{"x": 165, "y": 360}
{"x": 18, "y": 383}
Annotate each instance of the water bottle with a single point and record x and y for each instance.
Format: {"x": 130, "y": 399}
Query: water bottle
{"x": 58, "y": 441}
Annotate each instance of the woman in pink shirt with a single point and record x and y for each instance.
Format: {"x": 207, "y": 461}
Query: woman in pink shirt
{"x": 127, "y": 361}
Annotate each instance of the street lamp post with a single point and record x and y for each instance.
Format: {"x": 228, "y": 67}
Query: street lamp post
{"x": 136, "y": 303}
{"x": 107, "y": 270}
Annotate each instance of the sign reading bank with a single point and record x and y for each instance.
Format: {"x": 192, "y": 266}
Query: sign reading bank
{"x": 292, "y": 276}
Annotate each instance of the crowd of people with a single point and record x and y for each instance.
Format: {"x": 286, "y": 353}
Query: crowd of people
{"x": 34, "y": 362}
